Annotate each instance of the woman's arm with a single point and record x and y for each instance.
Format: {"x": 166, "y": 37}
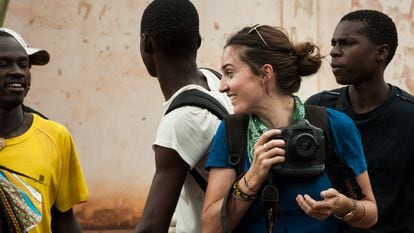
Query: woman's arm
{"x": 365, "y": 210}
{"x": 356, "y": 213}
{"x": 221, "y": 183}
{"x": 347, "y": 142}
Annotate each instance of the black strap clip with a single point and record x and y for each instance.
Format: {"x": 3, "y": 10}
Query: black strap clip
{"x": 270, "y": 199}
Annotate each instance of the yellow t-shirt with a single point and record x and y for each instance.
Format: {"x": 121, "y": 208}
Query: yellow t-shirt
{"x": 46, "y": 152}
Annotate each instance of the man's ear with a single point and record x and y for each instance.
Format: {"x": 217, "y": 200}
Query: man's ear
{"x": 383, "y": 52}
{"x": 29, "y": 83}
{"x": 147, "y": 43}
{"x": 199, "y": 41}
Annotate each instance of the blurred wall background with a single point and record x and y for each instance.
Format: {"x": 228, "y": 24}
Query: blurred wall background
{"x": 97, "y": 86}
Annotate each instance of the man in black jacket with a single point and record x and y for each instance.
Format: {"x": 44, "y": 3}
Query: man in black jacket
{"x": 363, "y": 44}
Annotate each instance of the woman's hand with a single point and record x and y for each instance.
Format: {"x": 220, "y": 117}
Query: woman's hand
{"x": 266, "y": 153}
{"x": 332, "y": 202}
{"x": 360, "y": 214}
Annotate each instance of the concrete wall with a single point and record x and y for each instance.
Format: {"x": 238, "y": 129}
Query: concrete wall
{"x": 97, "y": 86}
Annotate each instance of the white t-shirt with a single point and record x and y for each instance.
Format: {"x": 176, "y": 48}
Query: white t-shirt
{"x": 189, "y": 131}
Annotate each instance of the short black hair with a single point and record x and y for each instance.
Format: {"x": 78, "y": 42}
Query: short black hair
{"x": 379, "y": 28}
{"x": 174, "y": 26}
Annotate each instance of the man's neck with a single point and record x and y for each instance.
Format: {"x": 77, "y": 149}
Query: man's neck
{"x": 174, "y": 76}
{"x": 368, "y": 96}
{"x": 10, "y": 117}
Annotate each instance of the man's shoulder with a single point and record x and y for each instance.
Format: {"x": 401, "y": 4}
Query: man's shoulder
{"x": 325, "y": 98}
{"x": 404, "y": 95}
{"x": 49, "y": 127}
{"x": 186, "y": 117}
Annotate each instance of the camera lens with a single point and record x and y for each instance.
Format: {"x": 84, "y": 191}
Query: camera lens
{"x": 305, "y": 145}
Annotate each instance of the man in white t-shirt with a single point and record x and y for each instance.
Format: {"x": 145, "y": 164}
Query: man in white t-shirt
{"x": 169, "y": 41}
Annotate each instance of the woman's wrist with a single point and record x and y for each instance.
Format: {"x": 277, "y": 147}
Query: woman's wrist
{"x": 240, "y": 194}
{"x": 250, "y": 186}
{"x": 356, "y": 214}
{"x": 349, "y": 211}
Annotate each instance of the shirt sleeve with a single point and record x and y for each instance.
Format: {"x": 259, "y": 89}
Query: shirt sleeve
{"x": 189, "y": 131}
{"x": 346, "y": 140}
{"x": 219, "y": 153}
{"x": 72, "y": 188}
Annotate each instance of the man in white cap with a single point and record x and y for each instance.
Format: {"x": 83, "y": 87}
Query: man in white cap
{"x": 36, "y": 57}
{"x": 40, "y": 149}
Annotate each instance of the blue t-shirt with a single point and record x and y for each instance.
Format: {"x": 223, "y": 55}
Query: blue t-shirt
{"x": 347, "y": 144}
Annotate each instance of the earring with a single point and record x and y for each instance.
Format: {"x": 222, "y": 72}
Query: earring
{"x": 264, "y": 79}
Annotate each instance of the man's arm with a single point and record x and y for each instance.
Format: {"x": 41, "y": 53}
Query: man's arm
{"x": 64, "y": 222}
{"x": 166, "y": 186}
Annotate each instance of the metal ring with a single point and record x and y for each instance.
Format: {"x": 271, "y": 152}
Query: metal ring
{"x": 265, "y": 147}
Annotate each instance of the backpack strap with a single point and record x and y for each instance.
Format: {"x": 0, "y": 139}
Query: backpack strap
{"x": 236, "y": 131}
{"x": 318, "y": 117}
{"x": 202, "y": 183}
{"x": 337, "y": 169}
{"x": 18, "y": 173}
{"x": 236, "y": 138}
{"x": 332, "y": 99}
{"x": 200, "y": 99}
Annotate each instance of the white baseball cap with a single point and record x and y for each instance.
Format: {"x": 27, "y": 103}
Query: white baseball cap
{"x": 36, "y": 56}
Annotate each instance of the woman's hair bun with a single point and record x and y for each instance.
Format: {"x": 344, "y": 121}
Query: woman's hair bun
{"x": 308, "y": 57}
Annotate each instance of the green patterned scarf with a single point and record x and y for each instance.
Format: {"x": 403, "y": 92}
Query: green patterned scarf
{"x": 257, "y": 127}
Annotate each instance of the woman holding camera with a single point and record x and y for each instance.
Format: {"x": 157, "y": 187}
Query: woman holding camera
{"x": 262, "y": 70}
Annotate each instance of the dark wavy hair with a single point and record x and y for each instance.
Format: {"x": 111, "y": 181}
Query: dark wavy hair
{"x": 377, "y": 27}
{"x": 269, "y": 45}
{"x": 174, "y": 26}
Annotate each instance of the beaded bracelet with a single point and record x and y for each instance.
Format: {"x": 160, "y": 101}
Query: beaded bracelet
{"x": 240, "y": 195}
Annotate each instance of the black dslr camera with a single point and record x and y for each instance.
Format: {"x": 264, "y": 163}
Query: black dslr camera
{"x": 305, "y": 151}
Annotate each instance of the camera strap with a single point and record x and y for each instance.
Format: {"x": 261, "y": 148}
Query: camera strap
{"x": 270, "y": 199}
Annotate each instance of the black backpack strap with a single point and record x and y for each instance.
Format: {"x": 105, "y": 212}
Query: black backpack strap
{"x": 200, "y": 99}
{"x": 337, "y": 169}
{"x": 19, "y": 173}
{"x": 330, "y": 99}
{"x": 236, "y": 132}
{"x": 236, "y": 138}
{"x": 31, "y": 110}
{"x": 202, "y": 183}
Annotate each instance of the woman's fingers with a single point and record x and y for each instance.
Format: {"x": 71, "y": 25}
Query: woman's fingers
{"x": 266, "y": 137}
{"x": 265, "y": 143}
{"x": 267, "y": 152}
{"x": 315, "y": 209}
{"x": 267, "y": 155}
